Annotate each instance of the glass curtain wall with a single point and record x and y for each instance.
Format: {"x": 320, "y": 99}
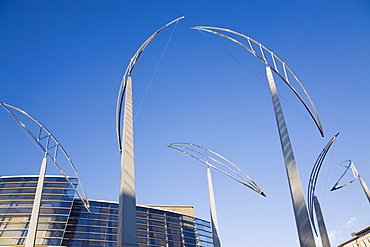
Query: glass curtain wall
{"x": 64, "y": 221}
{"x": 16, "y": 201}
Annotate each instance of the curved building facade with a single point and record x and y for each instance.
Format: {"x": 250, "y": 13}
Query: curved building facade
{"x": 64, "y": 221}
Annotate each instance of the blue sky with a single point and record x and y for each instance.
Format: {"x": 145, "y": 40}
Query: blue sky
{"x": 62, "y": 62}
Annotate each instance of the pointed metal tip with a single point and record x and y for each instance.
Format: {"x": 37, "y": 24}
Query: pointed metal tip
{"x": 332, "y": 189}
{"x": 263, "y": 194}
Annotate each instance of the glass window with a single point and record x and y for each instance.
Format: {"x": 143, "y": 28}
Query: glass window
{"x": 156, "y": 229}
{"x": 174, "y": 244}
{"x": 54, "y": 211}
{"x": 13, "y": 234}
{"x": 7, "y": 225}
{"x": 15, "y": 210}
{"x": 16, "y": 197}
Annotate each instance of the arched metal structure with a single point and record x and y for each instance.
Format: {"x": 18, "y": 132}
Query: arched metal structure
{"x": 128, "y": 71}
{"x": 51, "y": 148}
{"x": 238, "y": 175}
{"x": 127, "y": 227}
{"x": 312, "y": 199}
{"x": 273, "y": 63}
{"x": 355, "y": 175}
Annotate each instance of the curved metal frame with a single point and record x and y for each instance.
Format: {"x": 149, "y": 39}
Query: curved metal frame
{"x": 302, "y": 220}
{"x": 243, "y": 178}
{"x": 356, "y": 175}
{"x": 314, "y": 115}
{"x": 350, "y": 163}
{"x": 52, "y": 144}
{"x": 313, "y": 179}
{"x": 127, "y": 73}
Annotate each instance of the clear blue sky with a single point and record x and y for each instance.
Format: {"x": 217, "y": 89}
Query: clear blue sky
{"x": 62, "y": 62}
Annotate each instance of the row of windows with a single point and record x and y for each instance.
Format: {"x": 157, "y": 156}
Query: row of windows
{"x": 33, "y": 179}
{"x": 34, "y": 185}
{"x": 92, "y": 222}
{"x": 39, "y": 241}
{"x": 56, "y": 204}
{"x": 92, "y": 229}
{"x": 29, "y": 210}
{"x": 31, "y": 197}
{"x": 25, "y": 225}
{"x": 97, "y": 204}
{"x": 23, "y": 233}
{"x": 62, "y": 191}
{"x": 25, "y": 218}
{"x": 90, "y": 236}
{"x": 96, "y": 210}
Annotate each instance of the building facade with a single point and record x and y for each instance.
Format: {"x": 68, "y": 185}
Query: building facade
{"x": 64, "y": 221}
{"x": 359, "y": 239}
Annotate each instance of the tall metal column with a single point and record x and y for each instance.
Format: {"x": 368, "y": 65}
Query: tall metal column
{"x": 214, "y": 222}
{"x": 362, "y": 181}
{"x": 127, "y": 227}
{"x": 365, "y": 188}
{"x": 320, "y": 221}
{"x": 306, "y": 237}
{"x": 32, "y": 229}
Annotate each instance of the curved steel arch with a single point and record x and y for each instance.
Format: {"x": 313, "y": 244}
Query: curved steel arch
{"x": 242, "y": 177}
{"x": 355, "y": 175}
{"x": 51, "y": 147}
{"x": 313, "y": 179}
{"x": 127, "y": 74}
{"x": 303, "y": 225}
{"x": 314, "y": 115}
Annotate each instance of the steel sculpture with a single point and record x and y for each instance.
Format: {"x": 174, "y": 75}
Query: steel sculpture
{"x": 51, "y": 148}
{"x": 197, "y": 152}
{"x": 127, "y": 227}
{"x": 273, "y": 63}
{"x": 313, "y": 202}
{"x": 356, "y": 175}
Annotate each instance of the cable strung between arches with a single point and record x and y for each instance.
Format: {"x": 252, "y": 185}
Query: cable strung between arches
{"x": 238, "y": 176}
{"x": 313, "y": 179}
{"x": 51, "y": 147}
{"x": 272, "y": 63}
{"x": 126, "y": 75}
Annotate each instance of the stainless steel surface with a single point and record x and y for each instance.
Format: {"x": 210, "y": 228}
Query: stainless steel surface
{"x": 32, "y": 228}
{"x": 51, "y": 147}
{"x": 313, "y": 179}
{"x": 212, "y": 203}
{"x": 271, "y": 62}
{"x": 238, "y": 176}
{"x": 336, "y": 186}
{"x": 206, "y": 156}
{"x": 320, "y": 221}
{"x": 127, "y": 73}
{"x": 355, "y": 175}
{"x": 304, "y": 229}
{"x": 127, "y": 227}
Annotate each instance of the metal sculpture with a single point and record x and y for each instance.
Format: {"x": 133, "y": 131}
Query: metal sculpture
{"x": 303, "y": 225}
{"x": 238, "y": 175}
{"x": 313, "y": 202}
{"x": 51, "y": 148}
{"x": 355, "y": 175}
{"x": 127, "y": 227}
